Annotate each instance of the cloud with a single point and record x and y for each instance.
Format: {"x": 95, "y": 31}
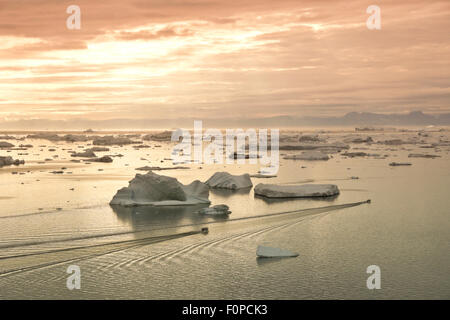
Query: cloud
{"x": 222, "y": 58}
{"x": 156, "y": 34}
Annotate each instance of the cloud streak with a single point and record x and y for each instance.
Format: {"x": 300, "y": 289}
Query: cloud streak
{"x": 216, "y": 59}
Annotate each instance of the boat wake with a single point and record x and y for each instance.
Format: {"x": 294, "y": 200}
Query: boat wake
{"x": 29, "y": 261}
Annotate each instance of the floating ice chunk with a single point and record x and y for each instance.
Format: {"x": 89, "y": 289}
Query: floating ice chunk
{"x": 4, "y": 144}
{"x": 224, "y": 180}
{"x": 220, "y": 209}
{"x": 88, "y": 153}
{"x": 296, "y": 191}
{"x": 158, "y": 190}
{"x": 423, "y": 155}
{"x": 105, "y": 159}
{"x": 308, "y": 155}
{"x": 395, "y": 164}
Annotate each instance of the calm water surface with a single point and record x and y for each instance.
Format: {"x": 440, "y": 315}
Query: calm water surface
{"x": 157, "y": 253}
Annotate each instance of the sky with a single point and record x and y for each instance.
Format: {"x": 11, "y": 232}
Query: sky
{"x": 216, "y": 59}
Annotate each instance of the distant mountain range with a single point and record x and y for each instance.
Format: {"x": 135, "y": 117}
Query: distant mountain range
{"x": 416, "y": 118}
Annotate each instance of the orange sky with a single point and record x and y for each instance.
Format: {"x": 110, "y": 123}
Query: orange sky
{"x": 219, "y": 59}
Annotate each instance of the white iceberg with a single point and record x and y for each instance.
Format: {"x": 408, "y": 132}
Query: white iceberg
{"x": 157, "y": 190}
{"x": 269, "y": 252}
{"x": 224, "y": 180}
{"x": 296, "y": 191}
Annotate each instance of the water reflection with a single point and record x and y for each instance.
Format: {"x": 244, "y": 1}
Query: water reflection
{"x": 291, "y": 200}
{"x": 225, "y": 193}
{"x": 261, "y": 262}
{"x": 143, "y": 217}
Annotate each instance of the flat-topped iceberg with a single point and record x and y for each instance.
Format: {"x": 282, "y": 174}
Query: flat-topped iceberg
{"x": 104, "y": 159}
{"x": 396, "y": 164}
{"x": 296, "y": 191}
{"x": 423, "y": 155}
{"x": 160, "y": 136}
{"x": 308, "y": 155}
{"x": 269, "y": 252}
{"x": 337, "y": 146}
{"x": 225, "y": 180}
{"x": 310, "y": 138}
{"x": 88, "y": 153}
{"x": 111, "y": 140}
{"x": 4, "y": 144}
{"x": 158, "y": 190}
{"x": 359, "y": 140}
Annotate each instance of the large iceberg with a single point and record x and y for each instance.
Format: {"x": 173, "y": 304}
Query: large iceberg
{"x": 225, "y": 180}
{"x": 158, "y": 190}
{"x": 9, "y": 161}
{"x": 296, "y": 191}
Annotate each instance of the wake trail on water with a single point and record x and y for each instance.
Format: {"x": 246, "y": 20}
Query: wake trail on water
{"x": 166, "y": 227}
{"x": 85, "y": 252}
{"x": 71, "y": 254}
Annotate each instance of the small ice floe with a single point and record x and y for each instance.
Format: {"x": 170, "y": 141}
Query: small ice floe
{"x": 159, "y": 136}
{"x": 237, "y": 155}
{"x": 423, "y": 155}
{"x": 395, "y": 164}
{"x": 359, "y": 139}
{"x": 149, "y": 168}
{"x": 269, "y": 252}
{"x": 88, "y": 153}
{"x": 308, "y": 155}
{"x": 220, "y": 209}
{"x": 329, "y": 147}
{"x": 111, "y": 140}
{"x": 99, "y": 149}
{"x": 104, "y": 159}
{"x": 310, "y": 138}
{"x": 261, "y": 176}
